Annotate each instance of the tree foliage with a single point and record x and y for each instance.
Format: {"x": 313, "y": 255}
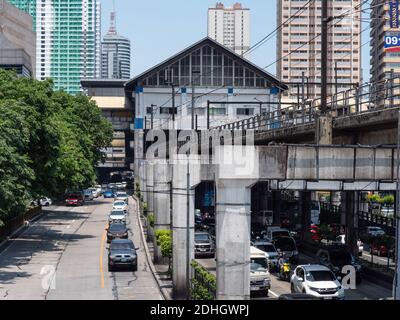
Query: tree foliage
{"x": 50, "y": 141}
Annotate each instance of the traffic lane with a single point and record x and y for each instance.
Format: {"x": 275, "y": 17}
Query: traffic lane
{"x": 37, "y": 250}
{"x": 364, "y": 291}
{"x": 138, "y": 285}
{"x": 80, "y": 273}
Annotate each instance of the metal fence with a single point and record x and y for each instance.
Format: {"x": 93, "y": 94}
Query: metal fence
{"x": 14, "y": 223}
{"x": 369, "y": 97}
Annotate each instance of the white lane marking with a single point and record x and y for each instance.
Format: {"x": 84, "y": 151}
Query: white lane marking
{"x": 69, "y": 226}
{"x": 273, "y": 293}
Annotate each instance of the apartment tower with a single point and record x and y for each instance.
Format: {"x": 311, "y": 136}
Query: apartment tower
{"x": 230, "y": 26}
{"x": 299, "y": 46}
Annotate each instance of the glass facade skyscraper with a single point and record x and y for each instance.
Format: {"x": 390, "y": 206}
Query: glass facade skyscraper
{"x": 67, "y": 40}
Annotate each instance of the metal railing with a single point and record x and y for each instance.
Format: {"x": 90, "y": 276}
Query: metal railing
{"x": 369, "y": 97}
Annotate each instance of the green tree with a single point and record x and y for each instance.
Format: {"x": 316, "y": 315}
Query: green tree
{"x": 50, "y": 141}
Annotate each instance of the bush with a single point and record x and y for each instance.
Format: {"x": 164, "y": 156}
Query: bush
{"x": 164, "y": 241}
{"x": 204, "y": 283}
{"x": 151, "y": 219}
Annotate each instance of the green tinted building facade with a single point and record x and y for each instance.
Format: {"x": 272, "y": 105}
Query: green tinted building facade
{"x": 67, "y": 40}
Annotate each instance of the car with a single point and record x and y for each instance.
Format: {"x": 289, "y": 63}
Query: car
{"x": 275, "y": 232}
{"x": 335, "y": 257}
{"x": 75, "y": 199}
{"x": 297, "y": 296}
{"x": 122, "y": 253}
{"x": 259, "y": 278}
{"x": 117, "y": 216}
{"x": 374, "y": 231}
{"x": 108, "y": 193}
{"x": 380, "y": 250}
{"x": 120, "y": 205}
{"x": 341, "y": 240}
{"x": 316, "y": 280}
{"x": 45, "y": 202}
{"x": 121, "y": 196}
{"x": 287, "y": 245}
{"x": 95, "y": 192}
{"x": 88, "y": 194}
{"x": 116, "y": 230}
{"x": 203, "y": 245}
{"x": 269, "y": 249}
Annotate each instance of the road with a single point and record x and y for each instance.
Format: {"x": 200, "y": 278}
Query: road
{"x": 364, "y": 291}
{"x": 67, "y": 249}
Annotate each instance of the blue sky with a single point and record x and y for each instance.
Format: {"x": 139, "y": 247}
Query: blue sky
{"x": 161, "y": 28}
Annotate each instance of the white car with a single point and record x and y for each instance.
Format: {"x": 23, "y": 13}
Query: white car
{"x": 316, "y": 280}
{"x": 375, "y": 231}
{"x": 117, "y": 216}
{"x": 45, "y": 202}
{"x": 341, "y": 239}
{"x": 122, "y": 196}
{"x": 120, "y": 205}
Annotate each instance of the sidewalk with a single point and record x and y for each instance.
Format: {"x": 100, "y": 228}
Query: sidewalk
{"x": 160, "y": 271}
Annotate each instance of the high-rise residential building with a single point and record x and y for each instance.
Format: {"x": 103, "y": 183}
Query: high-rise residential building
{"x": 17, "y": 40}
{"x": 115, "y": 53}
{"x": 67, "y": 40}
{"x": 382, "y": 62}
{"x": 230, "y": 26}
{"x": 299, "y": 46}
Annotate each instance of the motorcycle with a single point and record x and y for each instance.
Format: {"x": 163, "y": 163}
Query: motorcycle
{"x": 284, "y": 272}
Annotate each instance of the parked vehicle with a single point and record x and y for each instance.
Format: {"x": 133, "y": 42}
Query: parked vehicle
{"x": 260, "y": 280}
{"x": 45, "y": 202}
{"x": 88, "y": 194}
{"x": 380, "y": 250}
{"x": 288, "y": 247}
{"x": 117, "y": 216}
{"x": 373, "y": 231}
{"x": 108, "y": 193}
{"x": 120, "y": 205}
{"x": 336, "y": 257}
{"x": 341, "y": 240}
{"x": 203, "y": 245}
{"x": 75, "y": 199}
{"x": 122, "y": 253}
{"x": 316, "y": 280}
{"x": 117, "y": 231}
{"x": 123, "y": 196}
{"x": 275, "y": 232}
{"x": 269, "y": 249}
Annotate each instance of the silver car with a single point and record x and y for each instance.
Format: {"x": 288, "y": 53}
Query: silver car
{"x": 117, "y": 216}
{"x": 122, "y": 253}
{"x": 204, "y": 245}
{"x": 122, "y": 196}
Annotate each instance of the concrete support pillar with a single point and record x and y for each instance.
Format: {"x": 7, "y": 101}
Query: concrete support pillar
{"x": 351, "y": 205}
{"x": 233, "y": 238}
{"x": 324, "y": 130}
{"x": 150, "y": 187}
{"x": 276, "y": 207}
{"x": 161, "y": 202}
{"x": 183, "y": 172}
{"x": 305, "y": 211}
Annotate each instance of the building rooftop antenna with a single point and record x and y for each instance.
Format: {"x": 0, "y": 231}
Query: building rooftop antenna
{"x": 113, "y": 18}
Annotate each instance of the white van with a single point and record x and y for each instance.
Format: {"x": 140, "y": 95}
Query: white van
{"x": 260, "y": 280}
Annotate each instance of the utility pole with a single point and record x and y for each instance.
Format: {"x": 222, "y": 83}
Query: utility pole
{"x": 396, "y": 284}
{"x": 152, "y": 115}
{"x": 173, "y": 105}
{"x": 208, "y": 114}
{"x": 193, "y": 95}
{"x": 188, "y": 229}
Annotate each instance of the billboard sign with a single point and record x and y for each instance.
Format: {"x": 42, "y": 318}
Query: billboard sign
{"x": 394, "y": 13}
{"x": 392, "y": 43}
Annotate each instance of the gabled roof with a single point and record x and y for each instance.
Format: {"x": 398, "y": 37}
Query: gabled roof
{"x": 131, "y": 84}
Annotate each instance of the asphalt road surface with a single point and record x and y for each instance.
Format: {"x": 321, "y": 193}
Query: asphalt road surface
{"x": 63, "y": 256}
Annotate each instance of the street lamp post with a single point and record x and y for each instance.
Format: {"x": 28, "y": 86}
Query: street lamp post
{"x": 193, "y": 95}
{"x": 396, "y": 285}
